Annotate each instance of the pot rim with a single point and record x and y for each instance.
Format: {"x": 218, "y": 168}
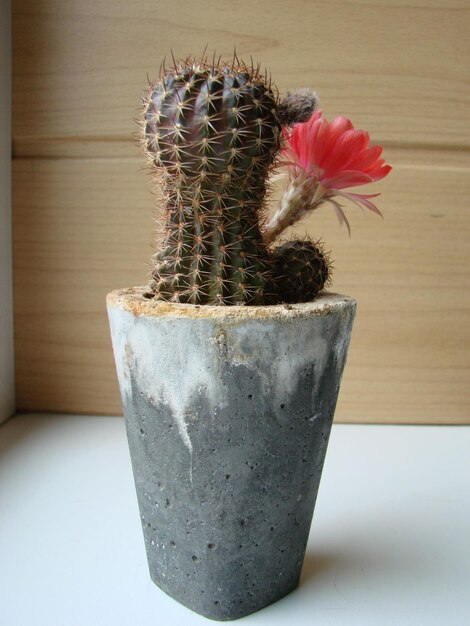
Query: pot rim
{"x": 132, "y": 300}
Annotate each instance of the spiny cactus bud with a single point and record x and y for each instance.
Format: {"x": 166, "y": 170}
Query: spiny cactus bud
{"x": 212, "y": 130}
{"x": 301, "y": 270}
{"x": 297, "y": 106}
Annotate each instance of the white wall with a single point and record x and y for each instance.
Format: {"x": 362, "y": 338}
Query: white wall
{"x": 7, "y": 389}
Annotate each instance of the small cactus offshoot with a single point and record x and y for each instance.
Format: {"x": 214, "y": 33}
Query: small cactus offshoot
{"x": 212, "y": 132}
{"x": 302, "y": 269}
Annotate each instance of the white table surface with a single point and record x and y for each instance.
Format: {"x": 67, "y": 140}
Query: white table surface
{"x": 389, "y": 545}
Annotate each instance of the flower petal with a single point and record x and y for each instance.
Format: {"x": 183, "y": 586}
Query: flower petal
{"x": 379, "y": 172}
{"x": 340, "y": 214}
{"x": 362, "y": 199}
{"x": 346, "y": 179}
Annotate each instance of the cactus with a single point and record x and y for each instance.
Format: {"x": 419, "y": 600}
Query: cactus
{"x": 302, "y": 269}
{"x": 212, "y": 131}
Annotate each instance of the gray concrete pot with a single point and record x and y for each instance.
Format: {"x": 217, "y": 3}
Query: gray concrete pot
{"x": 228, "y": 412}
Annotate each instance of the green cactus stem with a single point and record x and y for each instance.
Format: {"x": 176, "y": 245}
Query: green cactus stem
{"x": 212, "y": 132}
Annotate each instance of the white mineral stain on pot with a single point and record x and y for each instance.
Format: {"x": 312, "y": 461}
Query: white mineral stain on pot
{"x": 279, "y": 350}
{"x": 340, "y": 347}
{"x": 285, "y": 350}
{"x": 145, "y": 347}
{"x": 120, "y": 324}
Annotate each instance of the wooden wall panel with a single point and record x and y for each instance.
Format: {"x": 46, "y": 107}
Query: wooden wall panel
{"x": 7, "y": 382}
{"x": 87, "y": 229}
{"x": 398, "y": 68}
{"x": 83, "y": 206}
{"x": 410, "y": 357}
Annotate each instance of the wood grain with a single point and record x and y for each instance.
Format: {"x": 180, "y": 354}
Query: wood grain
{"x": 84, "y": 230}
{"x": 397, "y": 68}
{"x": 87, "y": 229}
{"x": 7, "y": 383}
{"x": 83, "y": 206}
{"x": 410, "y": 357}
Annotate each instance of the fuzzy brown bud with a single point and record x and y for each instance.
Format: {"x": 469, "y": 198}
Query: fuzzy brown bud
{"x": 297, "y": 106}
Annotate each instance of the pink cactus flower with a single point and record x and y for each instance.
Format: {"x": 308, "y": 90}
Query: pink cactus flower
{"x": 335, "y": 152}
{"x": 323, "y": 159}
